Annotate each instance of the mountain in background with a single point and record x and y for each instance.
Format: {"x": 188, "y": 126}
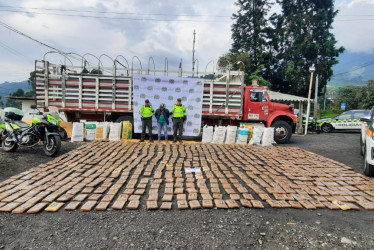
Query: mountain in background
{"x": 353, "y": 69}
{"x": 7, "y": 88}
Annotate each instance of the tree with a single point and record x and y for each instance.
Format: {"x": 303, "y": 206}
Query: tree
{"x": 31, "y": 82}
{"x": 1, "y": 102}
{"x": 250, "y": 32}
{"x": 15, "y": 103}
{"x": 281, "y": 47}
{"x": 304, "y": 38}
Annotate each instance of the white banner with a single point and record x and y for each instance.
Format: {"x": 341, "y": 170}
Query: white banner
{"x": 165, "y": 89}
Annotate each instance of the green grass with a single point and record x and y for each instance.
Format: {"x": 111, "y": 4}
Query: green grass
{"x": 330, "y": 113}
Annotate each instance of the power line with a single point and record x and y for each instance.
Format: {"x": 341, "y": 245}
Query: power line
{"x": 119, "y": 18}
{"x": 37, "y": 41}
{"x": 11, "y": 50}
{"x": 113, "y": 12}
{"x": 355, "y": 68}
{"x": 29, "y": 37}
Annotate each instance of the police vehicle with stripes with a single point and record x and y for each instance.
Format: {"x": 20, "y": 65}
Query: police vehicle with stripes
{"x": 347, "y": 120}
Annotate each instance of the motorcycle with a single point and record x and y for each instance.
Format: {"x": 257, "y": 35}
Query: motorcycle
{"x": 314, "y": 127}
{"x": 17, "y": 133}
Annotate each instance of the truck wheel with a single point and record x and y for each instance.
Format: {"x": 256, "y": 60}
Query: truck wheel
{"x": 125, "y": 118}
{"x": 282, "y": 132}
{"x": 327, "y": 128}
{"x": 368, "y": 168}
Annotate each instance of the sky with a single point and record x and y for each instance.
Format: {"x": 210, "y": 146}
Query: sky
{"x": 147, "y": 28}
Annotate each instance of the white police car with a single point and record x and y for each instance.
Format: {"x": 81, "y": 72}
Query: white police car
{"x": 347, "y": 120}
{"x": 367, "y": 143}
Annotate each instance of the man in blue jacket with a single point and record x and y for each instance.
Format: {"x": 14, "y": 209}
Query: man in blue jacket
{"x": 162, "y": 117}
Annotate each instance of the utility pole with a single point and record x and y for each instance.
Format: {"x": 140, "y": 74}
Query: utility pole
{"x": 311, "y": 70}
{"x": 316, "y": 99}
{"x": 193, "y": 53}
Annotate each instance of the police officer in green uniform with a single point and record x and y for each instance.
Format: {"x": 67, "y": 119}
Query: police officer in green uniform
{"x": 146, "y": 112}
{"x": 179, "y": 117}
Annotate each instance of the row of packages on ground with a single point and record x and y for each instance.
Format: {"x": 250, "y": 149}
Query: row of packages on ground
{"x": 255, "y": 134}
{"x": 101, "y": 131}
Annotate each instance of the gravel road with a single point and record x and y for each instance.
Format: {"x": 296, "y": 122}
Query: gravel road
{"x": 190, "y": 229}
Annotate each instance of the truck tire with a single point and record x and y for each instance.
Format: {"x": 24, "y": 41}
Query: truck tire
{"x": 282, "y": 131}
{"x": 368, "y": 168}
{"x": 125, "y": 118}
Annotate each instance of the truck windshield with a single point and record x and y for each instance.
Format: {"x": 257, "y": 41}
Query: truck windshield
{"x": 258, "y": 96}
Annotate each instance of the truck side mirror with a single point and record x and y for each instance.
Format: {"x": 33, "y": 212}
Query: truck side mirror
{"x": 33, "y": 106}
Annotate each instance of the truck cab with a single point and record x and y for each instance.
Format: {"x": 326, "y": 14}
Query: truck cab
{"x": 257, "y": 107}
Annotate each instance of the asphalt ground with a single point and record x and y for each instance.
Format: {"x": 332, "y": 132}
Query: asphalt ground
{"x": 242, "y": 228}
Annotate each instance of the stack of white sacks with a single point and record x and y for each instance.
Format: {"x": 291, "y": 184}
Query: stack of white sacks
{"x": 232, "y": 134}
{"x": 96, "y": 131}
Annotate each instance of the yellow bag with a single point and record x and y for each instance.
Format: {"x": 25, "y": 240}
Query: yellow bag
{"x": 250, "y": 127}
{"x": 126, "y": 130}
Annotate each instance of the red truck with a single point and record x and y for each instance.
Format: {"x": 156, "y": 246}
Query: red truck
{"x": 100, "y": 97}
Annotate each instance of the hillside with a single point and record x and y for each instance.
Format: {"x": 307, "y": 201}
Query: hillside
{"x": 9, "y": 87}
{"x": 353, "y": 69}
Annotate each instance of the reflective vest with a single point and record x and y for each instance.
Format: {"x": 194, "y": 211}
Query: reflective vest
{"x": 146, "y": 111}
{"x": 179, "y": 111}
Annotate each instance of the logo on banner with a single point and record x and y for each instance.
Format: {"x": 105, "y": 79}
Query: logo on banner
{"x": 178, "y": 90}
{"x": 198, "y": 99}
{"x": 191, "y": 91}
{"x": 196, "y": 131}
{"x": 150, "y": 88}
{"x": 136, "y": 86}
{"x": 196, "y": 116}
{"x": 156, "y": 97}
{"x": 189, "y": 124}
{"x": 136, "y": 104}
{"x": 164, "y": 89}
{"x": 144, "y": 79}
{"x": 171, "y": 81}
{"x": 184, "y": 98}
{"x": 142, "y": 96}
{"x": 185, "y": 82}
{"x": 199, "y": 83}
{"x": 157, "y": 80}
{"x": 190, "y": 107}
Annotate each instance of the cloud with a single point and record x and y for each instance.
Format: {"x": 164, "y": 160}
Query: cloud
{"x": 144, "y": 38}
{"x": 353, "y": 26}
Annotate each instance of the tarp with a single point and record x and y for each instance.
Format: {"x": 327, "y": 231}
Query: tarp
{"x": 167, "y": 89}
{"x": 277, "y": 96}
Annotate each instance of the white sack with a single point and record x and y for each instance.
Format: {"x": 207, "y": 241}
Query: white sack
{"x": 242, "y": 136}
{"x": 257, "y": 136}
{"x": 207, "y": 134}
{"x": 77, "y": 132}
{"x": 90, "y": 131}
{"x": 115, "y": 131}
{"x": 219, "y": 134}
{"x": 231, "y": 134}
{"x": 268, "y": 137}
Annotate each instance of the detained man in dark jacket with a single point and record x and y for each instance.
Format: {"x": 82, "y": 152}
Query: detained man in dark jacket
{"x": 162, "y": 117}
